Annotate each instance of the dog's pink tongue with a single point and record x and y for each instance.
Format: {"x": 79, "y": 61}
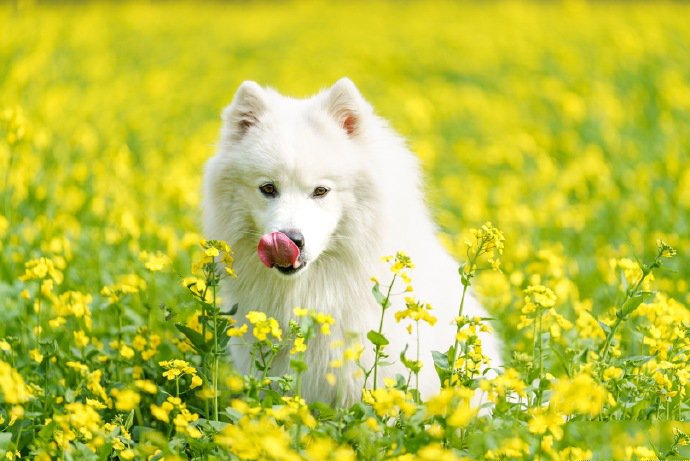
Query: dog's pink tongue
{"x": 276, "y": 249}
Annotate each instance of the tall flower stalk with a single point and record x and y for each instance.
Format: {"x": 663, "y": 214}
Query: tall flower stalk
{"x": 636, "y": 295}
{"x": 486, "y": 240}
{"x": 214, "y": 265}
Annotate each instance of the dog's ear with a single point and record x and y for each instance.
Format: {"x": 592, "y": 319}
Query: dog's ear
{"x": 346, "y": 105}
{"x": 245, "y": 110}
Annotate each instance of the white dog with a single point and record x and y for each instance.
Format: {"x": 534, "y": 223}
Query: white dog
{"x": 310, "y": 194}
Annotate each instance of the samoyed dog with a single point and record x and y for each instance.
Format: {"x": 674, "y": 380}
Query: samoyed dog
{"x": 310, "y": 194}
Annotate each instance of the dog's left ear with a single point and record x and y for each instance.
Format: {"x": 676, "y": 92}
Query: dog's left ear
{"x": 346, "y": 105}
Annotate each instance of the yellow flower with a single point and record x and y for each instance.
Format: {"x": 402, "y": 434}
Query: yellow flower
{"x": 41, "y": 268}
{"x": 453, "y": 403}
{"x": 127, "y": 454}
{"x": 235, "y": 383}
{"x": 147, "y": 386}
{"x": 80, "y": 338}
{"x": 400, "y": 262}
{"x": 14, "y": 389}
{"x": 126, "y": 352}
{"x": 544, "y": 420}
{"x": 154, "y": 261}
{"x": 353, "y": 353}
{"x": 298, "y": 346}
{"x": 78, "y": 367}
{"x": 416, "y": 311}
{"x": 235, "y": 331}
{"x": 161, "y": 413}
{"x": 139, "y": 343}
{"x": 613, "y": 373}
{"x": 389, "y": 401}
{"x": 579, "y": 394}
{"x": 196, "y": 382}
{"x": 665, "y": 250}
{"x": 175, "y": 369}
{"x": 125, "y": 285}
{"x": 125, "y": 400}
{"x": 5, "y": 346}
{"x": 36, "y": 355}
{"x": 263, "y": 326}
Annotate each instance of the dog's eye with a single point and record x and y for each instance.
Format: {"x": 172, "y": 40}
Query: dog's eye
{"x": 320, "y": 191}
{"x": 268, "y": 189}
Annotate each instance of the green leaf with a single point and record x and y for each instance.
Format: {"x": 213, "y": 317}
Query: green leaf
{"x": 638, "y": 360}
{"x": 377, "y": 338}
{"x": 440, "y": 359}
{"x": 233, "y": 414}
{"x": 411, "y": 365}
{"x": 5, "y": 440}
{"x": 633, "y": 303}
{"x": 194, "y": 337}
{"x": 441, "y": 364}
{"x": 130, "y": 420}
{"x": 298, "y": 365}
{"x": 324, "y": 412}
{"x": 606, "y": 328}
{"x": 380, "y": 298}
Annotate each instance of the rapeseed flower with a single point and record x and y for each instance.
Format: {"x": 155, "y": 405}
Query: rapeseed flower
{"x": 262, "y": 326}
{"x": 579, "y": 394}
{"x": 13, "y": 386}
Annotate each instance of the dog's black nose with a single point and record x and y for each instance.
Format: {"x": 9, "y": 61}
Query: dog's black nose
{"x": 296, "y": 236}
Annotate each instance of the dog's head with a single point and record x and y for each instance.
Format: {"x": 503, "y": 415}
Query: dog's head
{"x": 286, "y": 172}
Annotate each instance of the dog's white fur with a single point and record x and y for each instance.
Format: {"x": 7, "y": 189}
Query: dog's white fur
{"x": 374, "y": 208}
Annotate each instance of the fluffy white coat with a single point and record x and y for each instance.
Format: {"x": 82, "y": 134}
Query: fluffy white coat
{"x": 374, "y": 207}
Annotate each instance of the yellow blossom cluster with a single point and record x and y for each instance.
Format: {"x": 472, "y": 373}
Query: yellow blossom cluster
{"x": 508, "y": 384}
{"x": 416, "y": 311}
{"x": 293, "y": 409}
{"x": 175, "y": 369}
{"x": 154, "y": 261}
{"x": 183, "y": 419}
{"x": 80, "y": 422}
{"x": 580, "y": 394}
{"x": 125, "y": 285}
{"x": 453, "y": 404}
{"x": 13, "y": 387}
{"x": 214, "y": 251}
{"x": 42, "y": 269}
{"x": 262, "y": 326}
{"x": 388, "y": 401}
{"x": 540, "y": 303}
{"x": 257, "y": 438}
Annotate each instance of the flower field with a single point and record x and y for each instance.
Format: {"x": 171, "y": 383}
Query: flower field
{"x": 566, "y": 126}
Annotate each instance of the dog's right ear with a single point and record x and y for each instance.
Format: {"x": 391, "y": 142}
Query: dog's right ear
{"x": 245, "y": 110}
{"x": 346, "y": 105}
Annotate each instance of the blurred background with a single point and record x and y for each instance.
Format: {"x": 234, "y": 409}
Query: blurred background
{"x": 565, "y": 124}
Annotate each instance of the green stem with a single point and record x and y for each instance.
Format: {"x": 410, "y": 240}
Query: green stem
{"x": 456, "y": 344}
{"x": 609, "y": 337}
{"x": 384, "y": 306}
{"x": 620, "y": 316}
{"x": 119, "y": 340}
{"x": 6, "y": 185}
{"x": 417, "y": 358}
{"x": 466, "y": 282}
{"x": 216, "y": 355}
{"x": 541, "y": 354}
